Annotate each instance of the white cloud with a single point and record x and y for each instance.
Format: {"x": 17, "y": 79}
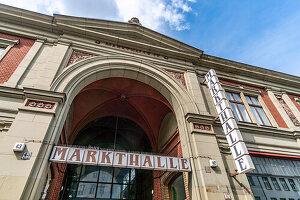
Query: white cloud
{"x": 45, "y": 6}
{"x": 155, "y": 14}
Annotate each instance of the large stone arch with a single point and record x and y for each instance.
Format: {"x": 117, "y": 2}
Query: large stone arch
{"x": 76, "y": 76}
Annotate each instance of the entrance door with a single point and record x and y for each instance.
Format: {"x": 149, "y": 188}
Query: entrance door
{"x": 98, "y": 182}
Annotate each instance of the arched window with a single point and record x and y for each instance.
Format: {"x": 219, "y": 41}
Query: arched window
{"x": 177, "y": 189}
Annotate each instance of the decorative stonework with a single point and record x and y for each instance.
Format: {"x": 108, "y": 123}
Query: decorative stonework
{"x": 77, "y": 56}
{"x": 179, "y": 76}
{"x": 288, "y": 111}
{"x": 39, "y": 104}
{"x": 203, "y": 127}
{"x": 297, "y": 100}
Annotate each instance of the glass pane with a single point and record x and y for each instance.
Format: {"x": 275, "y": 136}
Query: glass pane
{"x": 121, "y": 175}
{"x": 72, "y": 190}
{"x": 86, "y": 190}
{"x": 106, "y": 174}
{"x": 1, "y": 49}
{"x": 74, "y": 172}
{"x": 256, "y": 115}
{"x": 103, "y": 190}
{"x": 229, "y": 96}
{"x": 237, "y": 97}
{"x": 275, "y": 183}
{"x": 255, "y": 101}
{"x": 263, "y": 116}
{"x": 120, "y": 191}
{"x": 284, "y": 184}
{"x": 132, "y": 176}
{"x": 267, "y": 184}
{"x": 236, "y": 111}
{"x": 293, "y": 185}
{"x": 244, "y": 113}
{"x": 89, "y": 173}
{"x": 248, "y": 100}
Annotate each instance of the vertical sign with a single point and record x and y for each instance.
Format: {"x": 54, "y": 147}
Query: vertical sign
{"x": 237, "y": 146}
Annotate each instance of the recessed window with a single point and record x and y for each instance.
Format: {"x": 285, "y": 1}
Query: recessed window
{"x": 284, "y": 184}
{"x": 272, "y": 198}
{"x": 250, "y": 180}
{"x": 275, "y": 183}
{"x": 257, "y": 110}
{"x": 293, "y": 184}
{"x": 238, "y": 107}
{"x": 267, "y": 183}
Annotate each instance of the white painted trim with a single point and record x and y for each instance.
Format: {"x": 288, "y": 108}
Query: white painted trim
{"x": 8, "y": 44}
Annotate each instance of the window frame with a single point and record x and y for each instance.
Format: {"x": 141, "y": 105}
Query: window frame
{"x": 242, "y": 91}
{"x": 255, "y": 107}
{"x": 236, "y": 102}
{"x": 7, "y": 44}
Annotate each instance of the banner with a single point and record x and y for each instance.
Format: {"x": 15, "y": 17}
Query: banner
{"x": 73, "y": 155}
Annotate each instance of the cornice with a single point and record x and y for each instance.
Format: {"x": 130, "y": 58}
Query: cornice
{"x": 191, "y": 117}
{"x": 248, "y": 74}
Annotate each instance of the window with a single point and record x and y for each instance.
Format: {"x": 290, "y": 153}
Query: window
{"x": 101, "y": 182}
{"x": 272, "y": 198}
{"x": 238, "y": 107}
{"x": 267, "y": 184}
{"x": 257, "y": 110}
{"x": 293, "y": 184}
{"x": 284, "y": 184}
{"x": 257, "y": 198}
{"x": 6, "y": 45}
{"x": 250, "y": 180}
{"x": 275, "y": 183}
{"x": 2, "y": 49}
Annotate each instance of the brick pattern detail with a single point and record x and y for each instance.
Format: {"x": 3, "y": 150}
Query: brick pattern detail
{"x": 288, "y": 111}
{"x": 179, "y": 76}
{"x": 56, "y": 182}
{"x": 39, "y": 104}
{"x": 77, "y": 56}
{"x": 276, "y": 115}
{"x": 14, "y": 57}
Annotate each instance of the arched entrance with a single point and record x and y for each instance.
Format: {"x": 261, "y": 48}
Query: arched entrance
{"x": 117, "y": 114}
{"x": 161, "y": 101}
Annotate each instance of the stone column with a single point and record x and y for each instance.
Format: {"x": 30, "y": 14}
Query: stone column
{"x": 31, "y": 126}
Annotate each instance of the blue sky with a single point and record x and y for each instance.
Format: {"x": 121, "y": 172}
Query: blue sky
{"x": 261, "y": 33}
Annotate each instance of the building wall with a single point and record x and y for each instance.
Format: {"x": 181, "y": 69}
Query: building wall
{"x": 53, "y": 62}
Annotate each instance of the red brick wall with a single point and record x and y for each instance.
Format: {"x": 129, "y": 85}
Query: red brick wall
{"x": 276, "y": 115}
{"x": 54, "y": 189}
{"x": 14, "y": 57}
{"x": 293, "y": 100}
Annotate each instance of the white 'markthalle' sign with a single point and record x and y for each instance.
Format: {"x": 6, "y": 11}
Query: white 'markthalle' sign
{"x": 237, "y": 146}
{"x": 74, "y": 155}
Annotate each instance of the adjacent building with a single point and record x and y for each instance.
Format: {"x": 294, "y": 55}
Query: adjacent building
{"x": 95, "y": 84}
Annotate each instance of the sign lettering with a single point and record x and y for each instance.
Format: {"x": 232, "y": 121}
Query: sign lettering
{"x": 234, "y": 138}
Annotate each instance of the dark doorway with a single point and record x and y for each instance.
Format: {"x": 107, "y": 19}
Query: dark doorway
{"x": 97, "y": 182}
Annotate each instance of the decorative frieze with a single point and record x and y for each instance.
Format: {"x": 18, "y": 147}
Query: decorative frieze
{"x": 288, "y": 111}
{"x": 203, "y": 127}
{"x": 179, "y": 76}
{"x": 39, "y": 104}
{"x": 77, "y": 56}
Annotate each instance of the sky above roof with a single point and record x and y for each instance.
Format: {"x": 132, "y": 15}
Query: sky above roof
{"x": 261, "y": 33}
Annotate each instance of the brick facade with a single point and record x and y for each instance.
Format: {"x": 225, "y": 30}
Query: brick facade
{"x": 14, "y": 57}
